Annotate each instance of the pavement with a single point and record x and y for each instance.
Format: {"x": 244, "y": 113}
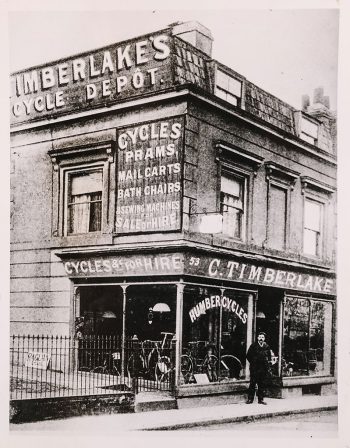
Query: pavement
{"x": 185, "y": 418}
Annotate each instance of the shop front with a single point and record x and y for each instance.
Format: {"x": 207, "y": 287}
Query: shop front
{"x": 209, "y": 311}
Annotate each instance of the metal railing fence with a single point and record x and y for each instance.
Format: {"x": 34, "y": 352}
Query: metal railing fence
{"x": 56, "y": 366}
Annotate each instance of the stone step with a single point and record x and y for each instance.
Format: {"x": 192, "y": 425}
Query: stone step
{"x": 154, "y": 401}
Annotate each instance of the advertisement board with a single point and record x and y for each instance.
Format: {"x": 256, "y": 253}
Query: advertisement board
{"x": 149, "y": 178}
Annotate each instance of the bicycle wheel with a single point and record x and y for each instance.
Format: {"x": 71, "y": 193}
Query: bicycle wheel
{"x": 186, "y": 367}
{"x": 162, "y": 369}
{"x": 232, "y": 365}
{"x": 210, "y": 366}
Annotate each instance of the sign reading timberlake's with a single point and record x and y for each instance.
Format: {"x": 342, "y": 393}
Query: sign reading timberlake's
{"x": 92, "y": 79}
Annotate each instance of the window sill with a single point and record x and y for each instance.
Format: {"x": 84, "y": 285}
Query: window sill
{"x": 306, "y": 380}
{"x": 84, "y": 239}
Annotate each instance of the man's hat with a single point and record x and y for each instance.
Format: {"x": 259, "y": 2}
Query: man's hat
{"x": 262, "y": 332}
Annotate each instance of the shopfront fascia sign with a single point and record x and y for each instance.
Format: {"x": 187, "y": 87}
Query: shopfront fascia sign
{"x": 100, "y": 77}
{"x": 236, "y": 270}
{"x": 127, "y": 265}
{"x": 149, "y": 179}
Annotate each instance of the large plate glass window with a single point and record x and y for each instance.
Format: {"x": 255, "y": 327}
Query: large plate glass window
{"x": 84, "y": 201}
{"x": 232, "y": 205}
{"x": 214, "y": 340}
{"x": 307, "y": 341}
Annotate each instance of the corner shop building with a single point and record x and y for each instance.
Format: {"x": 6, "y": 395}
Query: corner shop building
{"x": 121, "y": 156}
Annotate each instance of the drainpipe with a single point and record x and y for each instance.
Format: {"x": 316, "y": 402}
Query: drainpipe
{"x": 178, "y": 346}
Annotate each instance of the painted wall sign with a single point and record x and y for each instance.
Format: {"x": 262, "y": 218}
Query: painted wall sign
{"x": 216, "y": 301}
{"x": 132, "y": 265}
{"x": 149, "y": 180}
{"x": 236, "y": 270}
{"x": 109, "y": 74}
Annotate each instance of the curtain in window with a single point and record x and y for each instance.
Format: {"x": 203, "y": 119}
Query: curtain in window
{"x": 80, "y": 214}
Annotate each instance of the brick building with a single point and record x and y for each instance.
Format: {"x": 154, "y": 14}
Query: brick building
{"x": 155, "y": 189}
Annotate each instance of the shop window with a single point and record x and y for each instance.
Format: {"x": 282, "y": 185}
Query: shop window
{"x": 214, "y": 340}
{"x": 313, "y": 215}
{"x": 307, "y": 338}
{"x": 150, "y": 311}
{"x": 84, "y": 201}
{"x": 228, "y": 88}
{"x": 232, "y": 205}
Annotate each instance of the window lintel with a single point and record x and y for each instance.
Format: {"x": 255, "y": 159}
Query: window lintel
{"x": 309, "y": 183}
{"x": 103, "y": 150}
{"x": 244, "y": 156}
{"x": 274, "y": 170}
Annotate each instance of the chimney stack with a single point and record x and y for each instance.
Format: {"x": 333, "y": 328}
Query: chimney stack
{"x": 196, "y": 34}
{"x": 305, "y": 102}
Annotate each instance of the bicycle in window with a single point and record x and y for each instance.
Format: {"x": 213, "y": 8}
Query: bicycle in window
{"x": 151, "y": 359}
{"x": 201, "y": 357}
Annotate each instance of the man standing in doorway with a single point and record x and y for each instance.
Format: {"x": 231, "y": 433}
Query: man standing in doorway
{"x": 259, "y": 357}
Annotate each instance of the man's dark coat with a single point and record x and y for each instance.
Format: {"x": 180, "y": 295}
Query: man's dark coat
{"x": 259, "y": 358}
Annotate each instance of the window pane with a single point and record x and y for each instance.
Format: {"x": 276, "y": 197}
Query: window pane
{"x": 296, "y": 335}
{"x": 320, "y": 337}
{"x": 222, "y": 80}
{"x": 277, "y": 217}
{"x": 235, "y": 87}
{"x": 85, "y": 202}
{"x": 205, "y": 313}
{"x": 312, "y": 218}
{"x": 310, "y": 242}
{"x": 307, "y": 337}
{"x": 232, "y": 193}
{"x": 86, "y": 183}
{"x": 232, "y": 222}
{"x": 307, "y": 138}
{"x": 231, "y": 186}
{"x": 309, "y": 128}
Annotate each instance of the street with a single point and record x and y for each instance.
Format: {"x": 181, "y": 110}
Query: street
{"x": 313, "y": 424}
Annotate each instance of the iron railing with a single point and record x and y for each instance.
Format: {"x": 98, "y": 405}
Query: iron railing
{"x": 49, "y": 366}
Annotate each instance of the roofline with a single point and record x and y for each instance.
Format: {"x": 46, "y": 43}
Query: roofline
{"x": 162, "y": 97}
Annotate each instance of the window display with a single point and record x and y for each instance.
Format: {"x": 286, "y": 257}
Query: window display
{"x": 214, "y": 334}
{"x": 307, "y": 337}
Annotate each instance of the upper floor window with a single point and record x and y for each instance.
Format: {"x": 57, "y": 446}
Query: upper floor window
{"x": 232, "y": 205}
{"x": 84, "y": 201}
{"x": 83, "y": 197}
{"x": 308, "y": 130}
{"x": 313, "y": 215}
{"x": 228, "y": 88}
